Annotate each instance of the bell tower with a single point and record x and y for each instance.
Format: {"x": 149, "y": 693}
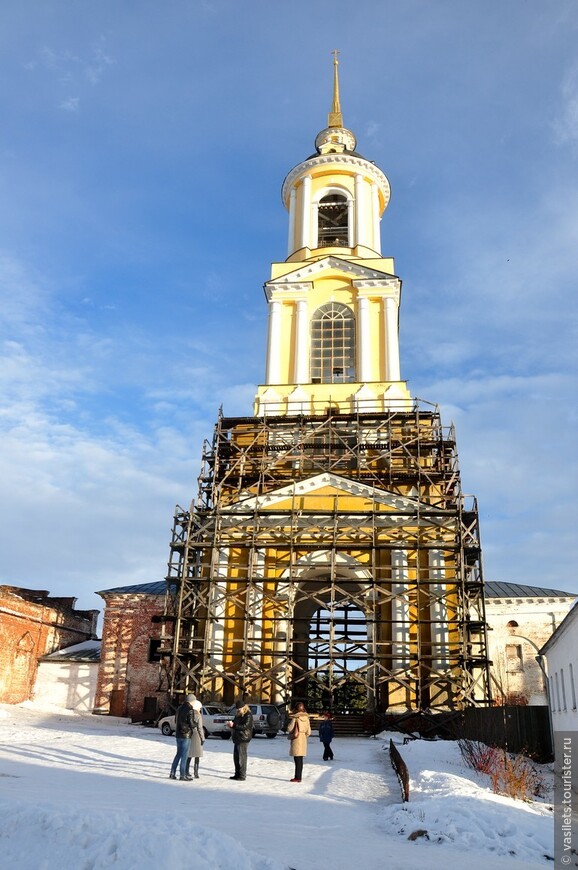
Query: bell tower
{"x": 333, "y": 334}
{"x": 330, "y": 554}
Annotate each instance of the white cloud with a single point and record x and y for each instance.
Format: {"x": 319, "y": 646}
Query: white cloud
{"x": 98, "y": 64}
{"x": 23, "y": 300}
{"x": 72, "y": 70}
{"x": 70, "y": 104}
{"x": 515, "y": 438}
{"x": 52, "y": 59}
{"x": 372, "y": 129}
{"x": 566, "y": 124}
{"x": 83, "y": 513}
{"x": 88, "y": 495}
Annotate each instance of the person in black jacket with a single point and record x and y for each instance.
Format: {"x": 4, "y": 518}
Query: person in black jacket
{"x": 186, "y": 722}
{"x": 242, "y": 728}
{"x": 326, "y": 735}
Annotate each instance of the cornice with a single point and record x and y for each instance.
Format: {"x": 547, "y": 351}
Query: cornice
{"x": 368, "y": 286}
{"x": 288, "y": 290}
{"x": 347, "y": 160}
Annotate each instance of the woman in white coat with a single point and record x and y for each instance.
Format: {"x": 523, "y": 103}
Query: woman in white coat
{"x": 197, "y": 740}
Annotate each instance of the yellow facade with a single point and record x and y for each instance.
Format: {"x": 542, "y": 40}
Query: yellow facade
{"x": 335, "y": 201}
{"x": 331, "y": 555}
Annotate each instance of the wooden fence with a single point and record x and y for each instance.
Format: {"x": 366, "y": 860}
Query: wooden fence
{"x": 515, "y": 729}
{"x": 400, "y": 768}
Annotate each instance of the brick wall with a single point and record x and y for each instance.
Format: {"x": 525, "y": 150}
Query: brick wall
{"x": 33, "y": 624}
{"x": 126, "y": 676}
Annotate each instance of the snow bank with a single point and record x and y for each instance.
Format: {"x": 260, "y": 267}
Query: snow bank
{"x": 450, "y": 804}
{"x": 44, "y": 838}
{"x": 93, "y": 793}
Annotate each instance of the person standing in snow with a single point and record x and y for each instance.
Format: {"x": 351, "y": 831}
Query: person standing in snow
{"x": 326, "y": 735}
{"x": 242, "y": 728}
{"x": 184, "y": 727}
{"x": 197, "y": 740}
{"x": 298, "y": 732}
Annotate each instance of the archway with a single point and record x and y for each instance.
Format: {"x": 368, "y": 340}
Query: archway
{"x": 333, "y": 221}
{"x": 331, "y": 640}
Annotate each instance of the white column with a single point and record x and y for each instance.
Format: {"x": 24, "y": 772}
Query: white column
{"x": 359, "y": 210}
{"x": 375, "y": 214}
{"x": 399, "y": 610}
{"x": 273, "y": 374}
{"x": 291, "y": 238}
{"x": 363, "y": 340}
{"x": 438, "y": 610}
{"x": 282, "y": 638}
{"x": 392, "y": 371}
{"x": 219, "y": 597}
{"x": 301, "y": 369}
{"x": 306, "y": 212}
{"x": 280, "y": 656}
{"x": 255, "y": 604}
{"x": 350, "y": 227}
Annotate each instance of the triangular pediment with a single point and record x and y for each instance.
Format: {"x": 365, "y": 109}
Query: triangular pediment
{"x": 328, "y": 484}
{"x": 309, "y": 271}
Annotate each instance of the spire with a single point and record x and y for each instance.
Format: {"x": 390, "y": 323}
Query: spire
{"x": 335, "y": 118}
{"x": 335, "y": 139}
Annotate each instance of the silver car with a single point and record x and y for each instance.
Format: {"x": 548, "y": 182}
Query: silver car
{"x": 214, "y": 723}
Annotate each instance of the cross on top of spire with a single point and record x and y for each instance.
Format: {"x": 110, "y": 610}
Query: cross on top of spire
{"x": 335, "y": 118}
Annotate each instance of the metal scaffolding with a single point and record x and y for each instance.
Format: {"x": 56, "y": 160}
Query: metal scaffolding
{"x": 332, "y": 558}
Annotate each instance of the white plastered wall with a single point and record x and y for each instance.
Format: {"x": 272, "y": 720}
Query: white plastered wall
{"x": 67, "y": 685}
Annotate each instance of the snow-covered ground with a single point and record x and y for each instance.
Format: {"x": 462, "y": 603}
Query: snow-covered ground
{"x": 89, "y": 792}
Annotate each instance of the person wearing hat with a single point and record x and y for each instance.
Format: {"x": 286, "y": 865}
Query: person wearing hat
{"x": 186, "y": 721}
{"x": 197, "y": 740}
{"x": 242, "y": 731}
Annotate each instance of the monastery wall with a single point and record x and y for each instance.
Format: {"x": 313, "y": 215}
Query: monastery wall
{"x": 32, "y": 624}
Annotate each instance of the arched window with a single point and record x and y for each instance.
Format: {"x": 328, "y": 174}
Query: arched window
{"x": 332, "y": 229}
{"x": 333, "y": 345}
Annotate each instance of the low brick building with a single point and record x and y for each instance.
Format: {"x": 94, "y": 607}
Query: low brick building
{"x": 130, "y": 676}
{"x": 34, "y": 624}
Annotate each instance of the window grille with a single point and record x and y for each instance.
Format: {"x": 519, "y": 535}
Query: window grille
{"x": 513, "y": 658}
{"x": 333, "y": 344}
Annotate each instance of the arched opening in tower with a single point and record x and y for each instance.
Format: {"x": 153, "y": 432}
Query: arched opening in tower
{"x": 332, "y": 216}
{"x": 331, "y": 647}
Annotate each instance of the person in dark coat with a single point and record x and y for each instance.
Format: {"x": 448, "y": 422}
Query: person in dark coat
{"x": 242, "y": 729}
{"x": 298, "y": 732}
{"x": 184, "y": 727}
{"x": 197, "y": 740}
{"x": 326, "y": 735}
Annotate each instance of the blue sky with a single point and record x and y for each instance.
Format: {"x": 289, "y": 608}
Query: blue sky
{"x": 142, "y": 150}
